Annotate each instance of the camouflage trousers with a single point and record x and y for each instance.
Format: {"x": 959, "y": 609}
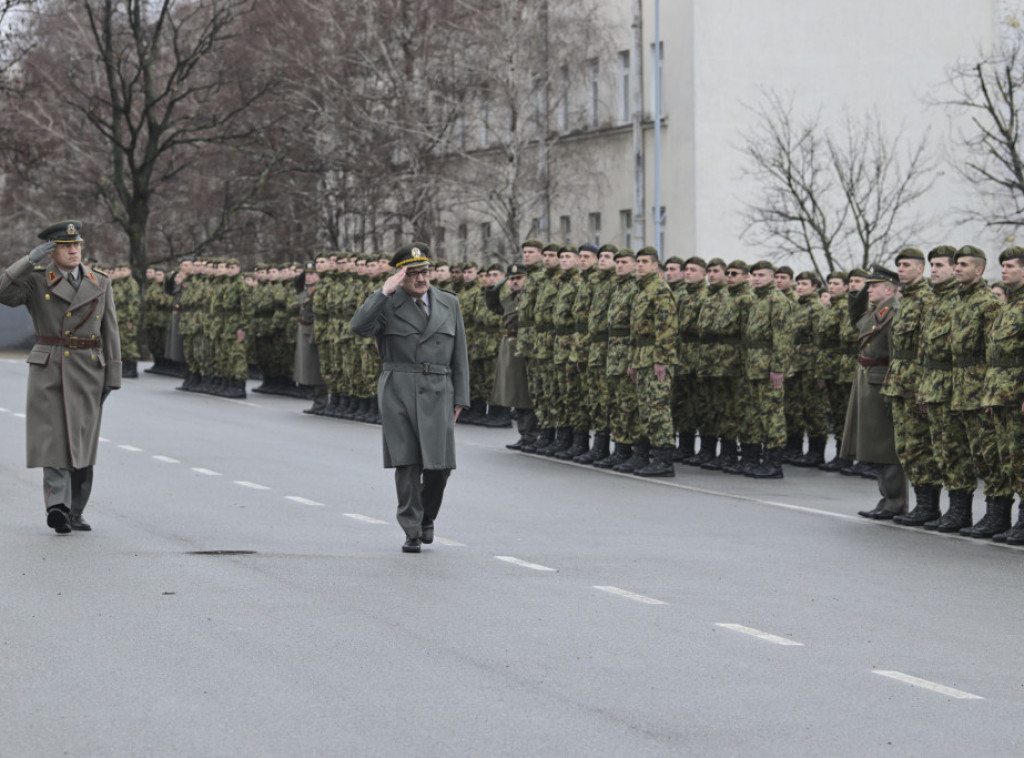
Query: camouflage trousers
{"x": 766, "y": 414}
{"x": 572, "y": 405}
{"x": 838, "y": 400}
{"x": 231, "y": 358}
{"x": 914, "y": 443}
{"x": 130, "y": 344}
{"x": 1010, "y": 439}
{"x": 349, "y": 367}
{"x": 481, "y": 377}
{"x": 806, "y": 406}
{"x": 654, "y": 400}
{"x": 972, "y": 436}
{"x": 625, "y": 414}
{"x": 534, "y": 383}
{"x": 689, "y": 404}
{"x": 728, "y": 404}
{"x": 598, "y": 399}
{"x": 543, "y": 392}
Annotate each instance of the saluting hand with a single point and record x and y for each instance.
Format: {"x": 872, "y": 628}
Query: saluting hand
{"x": 41, "y": 251}
{"x": 659, "y": 371}
{"x": 394, "y": 281}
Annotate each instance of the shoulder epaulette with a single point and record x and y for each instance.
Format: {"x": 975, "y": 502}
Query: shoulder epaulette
{"x": 39, "y": 268}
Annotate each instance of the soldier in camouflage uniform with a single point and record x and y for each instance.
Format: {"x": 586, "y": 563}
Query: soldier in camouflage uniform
{"x": 710, "y": 417}
{"x": 126, "y": 301}
{"x": 806, "y": 398}
{"x": 567, "y": 389}
{"x": 481, "y": 378}
{"x": 158, "y": 320}
{"x": 592, "y": 322}
{"x": 833, "y": 368}
{"x": 531, "y": 251}
{"x": 783, "y": 277}
{"x": 768, "y": 339}
{"x": 653, "y": 336}
{"x": 490, "y": 330}
{"x": 689, "y": 401}
{"x": 625, "y": 421}
{"x": 1003, "y": 392}
{"x": 349, "y": 298}
{"x": 228, "y": 321}
{"x": 542, "y": 373}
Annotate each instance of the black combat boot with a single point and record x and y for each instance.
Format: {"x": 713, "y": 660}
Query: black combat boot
{"x": 374, "y": 415}
{"x": 686, "y": 448}
{"x": 961, "y": 504}
{"x": 772, "y": 466}
{"x": 580, "y": 445}
{"x": 1016, "y": 534}
{"x": 708, "y": 443}
{"x": 623, "y": 452}
{"x": 233, "y": 388}
{"x": 926, "y": 509}
{"x": 661, "y": 463}
{"x": 750, "y": 459}
{"x": 129, "y": 370}
{"x": 476, "y": 409}
{"x": 498, "y": 417}
{"x": 726, "y": 455}
{"x": 838, "y": 463}
{"x": 995, "y": 521}
{"x": 562, "y": 441}
{"x": 815, "y": 455}
{"x": 794, "y": 447}
{"x": 364, "y": 408}
{"x": 640, "y": 458}
{"x": 332, "y": 404}
{"x": 597, "y": 451}
{"x": 543, "y": 439}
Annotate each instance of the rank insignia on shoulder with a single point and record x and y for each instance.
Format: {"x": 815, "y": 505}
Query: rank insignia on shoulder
{"x": 881, "y": 313}
{"x": 39, "y": 268}
{"x": 92, "y": 276}
{"x": 52, "y": 277}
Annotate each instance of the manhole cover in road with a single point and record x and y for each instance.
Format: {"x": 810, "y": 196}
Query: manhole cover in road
{"x": 222, "y": 552}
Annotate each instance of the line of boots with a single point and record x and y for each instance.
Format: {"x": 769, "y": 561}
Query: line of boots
{"x": 480, "y": 413}
{"x": 213, "y": 385}
{"x": 350, "y": 407}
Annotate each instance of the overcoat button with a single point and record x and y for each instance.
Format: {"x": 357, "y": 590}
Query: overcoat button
{"x": 67, "y": 315}
{"x": 67, "y": 352}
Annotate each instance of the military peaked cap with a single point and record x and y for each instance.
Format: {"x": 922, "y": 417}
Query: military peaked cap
{"x": 881, "y": 274}
{"x": 515, "y": 270}
{"x": 414, "y": 255}
{"x": 63, "y": 231}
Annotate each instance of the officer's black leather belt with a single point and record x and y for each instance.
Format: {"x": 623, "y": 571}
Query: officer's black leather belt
{"x": 75, "y": 343}
{"x": 415, "y": 368}
{"x": 964, "y": 361}
{"x": 938, "y": 365}
{"x": 1008, "y": 361}
{"x": 870, "y": 362}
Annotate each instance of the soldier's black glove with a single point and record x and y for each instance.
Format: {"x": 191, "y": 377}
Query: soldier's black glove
{"x": 106, "y": 391}
{"x": 41, "y": 251}
{"x": 887, "y": 404}
{"x": 299, "y": 282}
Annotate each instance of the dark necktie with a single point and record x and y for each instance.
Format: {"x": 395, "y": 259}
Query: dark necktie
{"x": 422, "y": 306}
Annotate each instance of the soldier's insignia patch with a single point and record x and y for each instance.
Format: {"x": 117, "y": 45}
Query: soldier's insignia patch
{"x": 70, "y": 231}
{"x": 92, "y": 277}
{"x": 416, "y": 253}
{"x": 881, "y": 313}
{"x": 52, "y": 277}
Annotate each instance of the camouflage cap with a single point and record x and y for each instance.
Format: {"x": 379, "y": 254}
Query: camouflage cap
{"x": 942, "y": 251}
{"x": 969, "y": 251}
{"x": 910, "y": 253}
{"x": 761, "y": 266}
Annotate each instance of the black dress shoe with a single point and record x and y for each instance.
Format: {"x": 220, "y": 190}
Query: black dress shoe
{"x": 875, "y": 513}
{"x": 79, "y": 524}
{"x": 412, "y": 545}
{"x": 884, "y": 515}
{"x": 428, "y": 534}
{"x": 57, "y": 519}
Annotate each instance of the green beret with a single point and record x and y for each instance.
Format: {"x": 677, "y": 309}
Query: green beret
{"x": 942, "y": 251}
{"x": 761, "y": 266}
{"x": 969, "y": 251}
{"x": 608, "y": 247}
{"x": 533, "y": 243}
{"x": 859, "y": 272}
{"x": 63, "y": 231}
{"x": 456, "y": 266}
{"x": 441, "y": 262}
{"x": 910, "y": 253}
{"x": 552, "y": 247}
{"x": 696, "y": 260}
{"x": 717, "y": 262}
{"x": 569, "y": 249}
{"x": 1011, "y": 253}
{"x": 624, "y": 252}
{"x": 495, "y": 267}
{"x": 780, "y": 270}
{"x": 808, "y": 276}
{"x": 649, "y": 251}
{"x": 839, "y": 275}
{"x": 414, "y": 255}
{"x": 676, "y": 260}
{"x": 587, "y": 247}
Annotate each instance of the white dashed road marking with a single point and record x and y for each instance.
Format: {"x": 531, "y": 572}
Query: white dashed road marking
{"x": 131, "y": 448}
{"x": 301, "y": 500}
{"x": 760, "y": 635}
{"x": 524, "y": 564}
{"x": 19, "y": 415}
{"x": 365, "y": 519}
{"x": 165, "y": 459}
{"x": 925, "y": 684}
{"x": 206, "y": 472}
{"x": 104, "y": 439}
{"x": 251, "y": 485}
{"x": 5, "y": 410}
{"x": 630, "y": 595}
{"x": 449, "y": 543}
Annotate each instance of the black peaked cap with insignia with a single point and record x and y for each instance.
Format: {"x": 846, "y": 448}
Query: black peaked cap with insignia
{"x": 881, "y": 274}
{"x": 63, "y": 231}
{"x": 414, "y": 255}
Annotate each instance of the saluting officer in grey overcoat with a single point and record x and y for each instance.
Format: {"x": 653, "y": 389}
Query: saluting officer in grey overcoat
{"x": 423, "y": 385}
{"x": 74, "y": 363}
{"x": 869, "y": 434}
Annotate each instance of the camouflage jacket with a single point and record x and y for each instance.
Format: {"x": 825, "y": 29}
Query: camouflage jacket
{"x": 653, "y": 324}
{"x": 690, "y": 299}
{"x": 543, "y": 315}
{"x": 976, "y": 309}
{"x": 904, "y": 369}
{"x": 827, "y": 338}
{"x": 714, "y": 301}
{"x": 563, "y": 319}
{"x": 349, "y": 291}
{"x": 935, "y": 355}
{"x": 1004, "y": 376}
{"x": 807, "y": 313}
{"x": 620, "y": 305}
{"x": 535, "y": 277}
{"x": 849, "y": 339}
{"x": 724, "y": 351}
{"x": 603, "y": 285}
{"x": 581, "y": 312}
{"x": 768, "y": 333}
{"x": 158, "y": 305}
{"x": 324, "y": 305}
{"x": 232, "y": 306}
{"x": 261, "y": 309}
{"x": 126, "y": 302}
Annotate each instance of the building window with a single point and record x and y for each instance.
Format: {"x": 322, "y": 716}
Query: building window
{"x": 563, "y": 99}
{"x": 624, "y": 104}
{"x": 565, "y": 227}
{"x": 626, "y": 222}
{"x": 534, "y": 227}
{"x": 657, "y": 66}
{"x": 461, "y": 132}
{"x": 463, "y": 235}
{"x": 595, "y": 228}
{"x": 594, "y": 102}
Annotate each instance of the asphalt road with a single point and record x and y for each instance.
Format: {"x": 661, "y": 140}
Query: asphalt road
{"x": 567, "y": 612}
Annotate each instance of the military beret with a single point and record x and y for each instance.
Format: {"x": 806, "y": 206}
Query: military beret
{"x": 969, "y": 251}
{"x": 780, "y": 270}
{"x": 608, "y": 247}
{"x": 859, "y": 272}
{"x": 568, "y": 249}
{"x": 456, "y": 265}
{"x": 624, "y": 252}
{"x": 413, "y": 255}
{"x": 881, "y": 274}
{"x": 761, "y": 266}
{"x": 588, "y": 248}
{"x": 676, "y": 260}
{"x": 228, "y": 261}
{"x": 261, "y": 267}
{"x": 648, "y": 250}
{"x": 495, "y": 267}
{"x": 808, "y": 276}
{"x": 552, "y": 247}
{"x": 533, "y": 243}
{"x": 942, "y": 251}
{"x": 909, "y": 253}
{"x": 839, "y": 275}
{"x": 741, "y": 265}
{"x": 696, "y": 260}
{"x": 515, "y": 270}
{"x": 1011, "y": 253}
{"x": 63, "y": 231}
{"x": 439, "y": 262}
{"x": 716, "y": 262}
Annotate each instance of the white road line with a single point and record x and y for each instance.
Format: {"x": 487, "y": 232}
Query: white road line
{"x": 104, "y": 439}
{"x": 365, "y": 519}
{"x": 524, "y": 564}
{"x": 240, "y": 402}
{"x": 165, "y": 459}
{"x": 19, "y": 415}
{"x": 925, "y": 684}
{"x": 206, "y": 472}
{"x": 449, "y": 543}
{"x": 760, "y": 635}
{"x": 251, "y": 485}
{"x": 131, "y": 448}
{"x": 301, "y": 500}
{"x": 5, "y": 410}
{"x": 630, "y": 595}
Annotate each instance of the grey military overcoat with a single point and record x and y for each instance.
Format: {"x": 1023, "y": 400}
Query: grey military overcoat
{"x": 65, "y": 384}
{"x": 510, "y": 383}
{"x": 424, "y": 375}
{"x": 307, "y": 357}
{"x": 869, "y": 435}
